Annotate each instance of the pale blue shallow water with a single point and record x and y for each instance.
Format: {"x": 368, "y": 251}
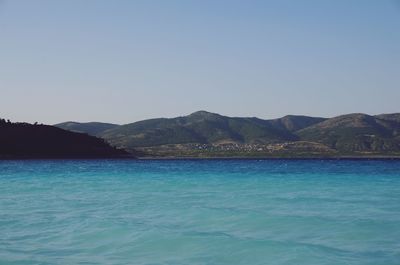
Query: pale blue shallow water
{"x": 200, "y": 212}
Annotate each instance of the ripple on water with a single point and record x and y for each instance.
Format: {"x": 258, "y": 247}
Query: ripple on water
{"x": 199, "y": 212}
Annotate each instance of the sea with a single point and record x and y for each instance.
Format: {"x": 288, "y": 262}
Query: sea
{"x": 231, "y": 211}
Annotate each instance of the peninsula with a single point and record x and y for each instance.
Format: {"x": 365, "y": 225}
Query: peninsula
{"x": 24, "y": 140}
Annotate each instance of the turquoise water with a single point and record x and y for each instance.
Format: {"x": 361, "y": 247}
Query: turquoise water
{"x": 200, "y": 212}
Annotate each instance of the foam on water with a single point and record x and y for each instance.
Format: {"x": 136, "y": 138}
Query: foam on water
{"x": 199, "y": 212}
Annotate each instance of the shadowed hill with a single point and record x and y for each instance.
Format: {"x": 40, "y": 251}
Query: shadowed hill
{"x": 23, "y": 140}
{"x": 294, "y": 123}
{"x": 356, "y": 132}
{"x": 91, "y": 128}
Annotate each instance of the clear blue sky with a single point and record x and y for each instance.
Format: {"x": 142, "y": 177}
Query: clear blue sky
{"x": 123, "y": 61}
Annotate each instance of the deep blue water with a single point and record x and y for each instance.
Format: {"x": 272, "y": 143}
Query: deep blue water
{"x": 200, "y": 212}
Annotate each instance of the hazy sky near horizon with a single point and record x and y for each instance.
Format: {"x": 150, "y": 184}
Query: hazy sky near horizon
{"x": 123, "y": 61}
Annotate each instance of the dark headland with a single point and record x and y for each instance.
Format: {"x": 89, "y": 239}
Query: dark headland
{"x": 28, "y": 141}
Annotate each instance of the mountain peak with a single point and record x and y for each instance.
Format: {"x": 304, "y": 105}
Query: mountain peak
{"x": 204, "y": 114}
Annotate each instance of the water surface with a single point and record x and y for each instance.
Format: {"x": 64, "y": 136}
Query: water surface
{"x": 200, "y": 212}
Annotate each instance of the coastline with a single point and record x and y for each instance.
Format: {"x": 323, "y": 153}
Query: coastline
{"x": 273, "y": 158}
{"x": 133, "y": 157}
{"x": 122, "y": 157}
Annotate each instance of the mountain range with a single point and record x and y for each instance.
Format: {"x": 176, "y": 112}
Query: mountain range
{"x": 209, "y": 134}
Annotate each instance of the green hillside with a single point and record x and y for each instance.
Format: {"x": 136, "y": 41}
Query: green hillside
{"x": 205, "y": 127}
{"x": 208, "y": 134}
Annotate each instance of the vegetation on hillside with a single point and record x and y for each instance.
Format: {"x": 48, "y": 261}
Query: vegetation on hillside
{"x": 208, "y": 134}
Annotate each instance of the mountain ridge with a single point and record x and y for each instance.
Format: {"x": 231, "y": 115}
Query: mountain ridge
{"x": 354, "y": 133}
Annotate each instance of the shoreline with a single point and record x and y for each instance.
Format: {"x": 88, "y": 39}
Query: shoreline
{"x": 274, "y": 158}
{"x": 143, "y": 158}
{"x": 67, "y": 157}
{"x": 200, "y": 158}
